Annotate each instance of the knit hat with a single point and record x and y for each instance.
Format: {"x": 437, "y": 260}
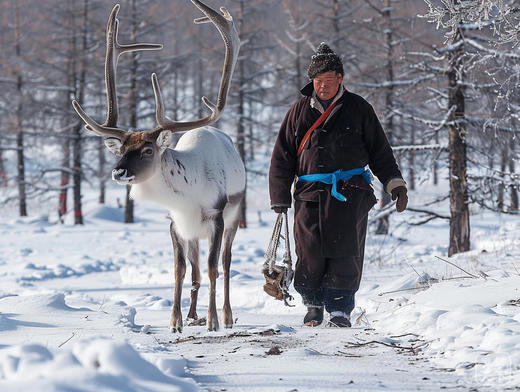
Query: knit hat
{"x": 324, "y": 60}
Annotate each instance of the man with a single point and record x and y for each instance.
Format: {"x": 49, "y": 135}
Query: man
{"x": 332, "y": 193}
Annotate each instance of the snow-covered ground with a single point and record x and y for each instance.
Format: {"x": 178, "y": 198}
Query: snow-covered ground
{"x": 87, "y": 308}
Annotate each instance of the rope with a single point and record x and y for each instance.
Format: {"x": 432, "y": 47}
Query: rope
{"x": 270, "y": 256}
{"x": 287, "y": 256}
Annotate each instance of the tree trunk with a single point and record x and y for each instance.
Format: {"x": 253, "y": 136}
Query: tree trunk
{"x": 129, "y": 207}
{"x": 65, "y": 178}
{"x": 76, "y": 177}
{"x": 514, "y": 191}
{"x": 240, "y": 124}
{"x": 411, "y": 161}
{"x": 101, "y": 171}
{"x": 298, "y": 66}
{"x": 503, "y": 163}
{"x": 251, "y": 129}
{"x": 22, "y": 197}
{"x": 175, "y": 81}
{"x": 384, "y": 222}
{"x": 3, "y": 174}
{"x": 67, "y": 97}
{"x": 200, "y": 84}
{"x": 336, "y": 26}
{"x": 459, "y": 209}
{"x": 435, "y": 165}
{"x": 77, "y": 140}
{"x": 132, "y": 105}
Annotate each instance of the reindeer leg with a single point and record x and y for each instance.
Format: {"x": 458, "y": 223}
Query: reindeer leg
{"x": 227, "y": 314}
{"x": 193, "y": 256}
{"x": 215, "y": 241}
{"x": 180, "y": 271}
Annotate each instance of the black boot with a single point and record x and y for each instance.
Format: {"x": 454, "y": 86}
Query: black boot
{"x": 314, "y": 316}
{"x": 339, "y": 320}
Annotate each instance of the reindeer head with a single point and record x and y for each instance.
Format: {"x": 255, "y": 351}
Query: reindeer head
{"x": 141, "y": 151}
{"x": 140, "y": 155}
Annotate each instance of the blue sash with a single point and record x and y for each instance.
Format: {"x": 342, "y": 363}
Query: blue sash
{"x": 333, "y": 178}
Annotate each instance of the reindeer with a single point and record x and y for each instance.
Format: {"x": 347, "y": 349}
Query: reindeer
{"x": 201, "y": 181}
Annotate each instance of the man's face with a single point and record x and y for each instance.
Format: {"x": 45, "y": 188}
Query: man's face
{"x": 326, "y": 84}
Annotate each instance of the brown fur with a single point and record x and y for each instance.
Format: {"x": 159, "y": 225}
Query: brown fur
{"x": 135, "y": 140}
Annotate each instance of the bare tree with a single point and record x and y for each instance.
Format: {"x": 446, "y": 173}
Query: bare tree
{"x": 459, "y": 205}
{"x": 296, "y": 44}
{"x": 384, "y": 73}
{"x": 464, "y": 50}
{"x": 248, "y": 90}
{"x": 19, "y": 98}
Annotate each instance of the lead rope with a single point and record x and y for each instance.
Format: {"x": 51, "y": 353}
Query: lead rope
{"x": 270, "y": 256}
{"x": 288, "y": 271}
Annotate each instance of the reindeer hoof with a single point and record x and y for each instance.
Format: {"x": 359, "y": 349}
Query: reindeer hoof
{"x": 213, "y": 325}
{"x": 227, "y": 316}
{"x": 175, "y": 326}
{"x": 176, "y": 329}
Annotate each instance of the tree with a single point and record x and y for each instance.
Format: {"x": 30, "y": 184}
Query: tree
{"x": 79, "y": 73}
{"x": 297, "y": 45}
{"x": 459, "y": 204}
{"x": 249, "y": 89}
{"x": 458, "y": 19}
{"x": 19, "y": 98}
{"x": 384, "y": 73}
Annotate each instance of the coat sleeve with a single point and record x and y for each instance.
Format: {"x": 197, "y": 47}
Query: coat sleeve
{"x": 283, "y": 162}
{"x": 381, "y": 157}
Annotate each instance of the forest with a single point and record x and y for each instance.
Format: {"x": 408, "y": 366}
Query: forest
{"x": 442, "y": 76}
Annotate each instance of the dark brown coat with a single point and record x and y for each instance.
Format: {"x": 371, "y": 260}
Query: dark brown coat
{"x": 352, "y": 137}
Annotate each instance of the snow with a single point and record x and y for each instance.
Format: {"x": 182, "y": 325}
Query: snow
{"x": 471, "y": 325}
{"x": 89, "y": 365}
{"x": 87, "y": 309}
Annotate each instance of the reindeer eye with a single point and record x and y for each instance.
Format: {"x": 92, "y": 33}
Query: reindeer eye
{"x": 147, "y": 151}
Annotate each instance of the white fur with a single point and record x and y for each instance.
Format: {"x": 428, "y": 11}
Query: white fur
{"x": 120, "y": 176}
{"x": 206, "y": 167}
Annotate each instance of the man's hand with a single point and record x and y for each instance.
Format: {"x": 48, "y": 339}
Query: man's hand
{"x": 401, "y": 194}
{"x": 279, "y": 209}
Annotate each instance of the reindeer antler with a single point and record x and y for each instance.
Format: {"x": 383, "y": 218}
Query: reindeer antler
{"x": 226, "y": 27}
{"x": 114, "y": 50}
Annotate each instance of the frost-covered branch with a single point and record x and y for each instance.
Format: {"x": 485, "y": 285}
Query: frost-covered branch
{"x": 436, "y": 125}
{"x": 398, "y": 83}
{"x": 420, "y": 147}
{"x": 501, "y": 16}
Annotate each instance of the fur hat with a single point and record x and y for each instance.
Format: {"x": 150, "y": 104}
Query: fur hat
{"x": 324, "y": 60}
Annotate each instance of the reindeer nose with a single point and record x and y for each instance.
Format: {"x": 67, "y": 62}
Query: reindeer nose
{"x": 118, "y": 174}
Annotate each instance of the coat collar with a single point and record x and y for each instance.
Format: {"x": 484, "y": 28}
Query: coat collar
{"x": 308, "y": 89}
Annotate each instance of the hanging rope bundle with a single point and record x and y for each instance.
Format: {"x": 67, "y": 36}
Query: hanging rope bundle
{"x": 278, "y": 277}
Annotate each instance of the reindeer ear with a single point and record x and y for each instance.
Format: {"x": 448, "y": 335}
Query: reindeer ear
{"x": 164, "y": 140}
{"x": 114, "y": 146}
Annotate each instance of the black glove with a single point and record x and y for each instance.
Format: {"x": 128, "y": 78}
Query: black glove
{"x": 401, "y": 194}
{"x": 279, "y": 209}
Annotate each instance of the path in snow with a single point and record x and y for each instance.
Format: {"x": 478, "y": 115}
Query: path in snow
{"x": 280, "y": 358}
